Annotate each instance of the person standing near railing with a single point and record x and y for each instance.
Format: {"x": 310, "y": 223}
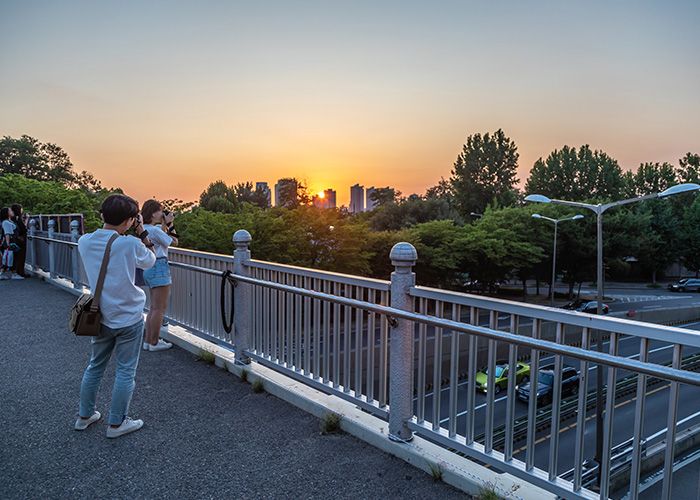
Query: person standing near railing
{"x": 8, "y": 245}
{"x": 121, "y": 307}
{"x": 20, "y": 256}
{"x": 161, "y": 232}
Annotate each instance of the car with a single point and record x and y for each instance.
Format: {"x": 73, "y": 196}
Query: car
{"x": 522, "y": 375}
{"x": 590, "y": 306}
{"x": 685, "y": 285}
{"x": 545, "y": 383}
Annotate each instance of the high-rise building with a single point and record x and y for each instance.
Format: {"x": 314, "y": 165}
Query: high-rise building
{"x": 262, "y": 186}
{"x": 325, "y": 201}
{"x": 330, "y": 197}
{"x": 370, "y": 204}
{"x": 357, "y": 199}
{"x": 285, "y": 188}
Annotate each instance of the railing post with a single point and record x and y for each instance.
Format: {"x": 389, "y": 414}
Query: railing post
{"x": 403, "y": 258}
{"x": 242, "y": 296}
{"x": 74, "y": 255}
{"x": 52, "y": 253}
{"x": 32, "y": 246}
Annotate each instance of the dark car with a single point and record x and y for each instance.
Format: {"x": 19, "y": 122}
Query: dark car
{"x": 545, "y": 383}
{"x": 590, "y": 307}
{"x": 685, "y": 285}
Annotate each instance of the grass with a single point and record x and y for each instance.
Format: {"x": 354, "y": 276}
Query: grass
{"x": 207, "y": 357}
{"x": 244, "y": 376}
{"x": 436, "y": 471}
{"x": 330, "y": 423}
{"x": 488, "y": 492}
{"x": 258, "y": 386}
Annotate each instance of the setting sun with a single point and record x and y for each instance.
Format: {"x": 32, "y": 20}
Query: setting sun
{"x": 321, "y": 194}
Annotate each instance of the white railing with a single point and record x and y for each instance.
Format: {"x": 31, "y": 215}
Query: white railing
{"x": 412, "y": 355}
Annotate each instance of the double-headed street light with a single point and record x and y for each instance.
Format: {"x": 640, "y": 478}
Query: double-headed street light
{"x": 599, "y": 210}
{"x": 554, "y": 250}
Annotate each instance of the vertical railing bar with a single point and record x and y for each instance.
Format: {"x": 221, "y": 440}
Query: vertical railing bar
{"x": 273, "y": 354}
{"x": 305, "y": 344}
{"x": 454, "y": 373}
{"x": 471, "y": 376}
{"x": 371, "y": 341}
{"x": 298, "y": 282}
{"x": 383, "y": 353}
{"x": 336, "y": 338}
{"x": 316, "y": 332}
{"x": 532, "y": 403}
{"x": 510, "y": 400}
{"x": 669, "y": 456}
{"x": 437, "y": 368}
{"x": 490, "y": 387}
{"x": 637, "y": 435}
{"x": 581, "y": 412}
{"x": 556, "y": 408}
{"x": 289, "y": 327}
{"x": 359, "y": 295}
{"x": 420, "y": 383}
{"x": 347, "y": 324}
{"x": 608, "y": 420}
{"x": 326, "y": 333}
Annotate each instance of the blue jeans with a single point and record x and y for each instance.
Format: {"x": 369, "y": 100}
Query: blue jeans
{"x": 126, "y": 343}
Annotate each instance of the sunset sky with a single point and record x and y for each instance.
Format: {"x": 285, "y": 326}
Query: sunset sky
{"x": 162, "y": 97}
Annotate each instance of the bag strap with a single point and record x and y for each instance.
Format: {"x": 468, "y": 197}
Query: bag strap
{"x": 95, "y": 304}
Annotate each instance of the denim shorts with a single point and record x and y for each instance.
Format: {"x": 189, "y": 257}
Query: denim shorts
{"x": 159, "y": 274}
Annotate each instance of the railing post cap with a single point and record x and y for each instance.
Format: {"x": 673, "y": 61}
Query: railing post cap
{"x": 403, "y": 254}
{"x": 242, "y": 238}
{"x": 32, "y": 222}
{"x": 74, "y": 225}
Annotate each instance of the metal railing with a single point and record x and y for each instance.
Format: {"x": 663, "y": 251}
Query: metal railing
{"x": 413, "y": 356}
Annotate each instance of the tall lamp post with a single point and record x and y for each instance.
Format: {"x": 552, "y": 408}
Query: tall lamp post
{"x": 554, "y": 250}
{"x": 599, "y": 210}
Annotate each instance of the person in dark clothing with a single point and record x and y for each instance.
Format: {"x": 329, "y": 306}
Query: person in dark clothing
{"x": 20, "y": 239}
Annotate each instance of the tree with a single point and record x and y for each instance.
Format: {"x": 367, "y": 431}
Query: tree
{"x": 411, "y": 211}
{"x": 690, "y": 241}
{"x": 689, "y": 170}
{"x": 383, "y": 196}
{"x": 441, "y": 191}
{"x": 35, "y": 160}
{"x": 576, "y": 175}
{"x": 245, "y": 192}
{"x": 177, "y": 206}
{"x": 485, "y": 171}
{"x": 218, "y": 197}
{"x": 291, "y": 193}
{"x": 649, "y": 178}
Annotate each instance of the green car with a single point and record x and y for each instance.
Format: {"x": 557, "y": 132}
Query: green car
{"x": 522, "y": 375}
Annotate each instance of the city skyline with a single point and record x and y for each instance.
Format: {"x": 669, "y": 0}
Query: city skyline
{"x": 190, "y": 93}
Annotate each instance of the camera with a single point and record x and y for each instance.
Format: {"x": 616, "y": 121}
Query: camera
{"x": 166, "y": 212}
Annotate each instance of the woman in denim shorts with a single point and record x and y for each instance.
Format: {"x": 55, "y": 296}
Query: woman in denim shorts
{"x": 161, "y": 233}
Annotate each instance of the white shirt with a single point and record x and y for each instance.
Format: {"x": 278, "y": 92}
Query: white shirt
{"x": 122, "y": 302}
{"x": 160, "y": 239}
{"x": 8, "y": 227}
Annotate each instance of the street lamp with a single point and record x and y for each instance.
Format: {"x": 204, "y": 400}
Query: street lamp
{"x": 599, "y": 210}
{"x": 554, "y": 250}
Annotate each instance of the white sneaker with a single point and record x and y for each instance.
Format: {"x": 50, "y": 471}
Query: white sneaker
{"x": 16, "y": 277}
{"x": 162, "y": 345}
{"x": 83, "y": 423}
{"x": 4, "y": 276}
{"x": 128, "y": 425}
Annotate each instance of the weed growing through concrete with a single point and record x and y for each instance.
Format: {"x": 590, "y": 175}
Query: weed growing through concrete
{"x": 330, "y": 423}
{"x": 436, "y": 471}
{"x": 258, "y": 386}
{"x": 207, "y": 357}
{"x": 489, "y": 491}
{"x": 244, "y": 376}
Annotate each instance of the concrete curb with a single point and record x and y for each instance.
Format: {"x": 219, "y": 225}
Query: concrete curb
{"x": 457, "y": 471}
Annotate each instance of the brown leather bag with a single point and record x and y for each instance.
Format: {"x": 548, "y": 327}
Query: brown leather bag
{"x": 85, "y": 316}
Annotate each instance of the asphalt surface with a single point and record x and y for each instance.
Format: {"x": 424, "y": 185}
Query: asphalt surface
{"x": 206, "y": 435}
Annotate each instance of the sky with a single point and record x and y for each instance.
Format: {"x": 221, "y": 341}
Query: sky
{"x": 163, "y": 97}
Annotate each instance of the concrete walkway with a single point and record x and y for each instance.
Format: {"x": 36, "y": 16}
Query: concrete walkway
{"x": 206, "y": 435}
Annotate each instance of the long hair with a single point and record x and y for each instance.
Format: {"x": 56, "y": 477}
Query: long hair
{"x": 17, "y": 210}
{"x": 4, "y": 213}
{"x": 149, "y": 208}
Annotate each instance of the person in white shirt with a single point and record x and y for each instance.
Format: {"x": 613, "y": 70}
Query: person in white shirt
{"x": 121, "y": 306}
{"x": 8, "y": 246}
{"x": 160, "y": 231}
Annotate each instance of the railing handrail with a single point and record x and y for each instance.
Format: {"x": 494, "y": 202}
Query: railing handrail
{"x": 624, "y": 326}
{"x": 53, "y": 240}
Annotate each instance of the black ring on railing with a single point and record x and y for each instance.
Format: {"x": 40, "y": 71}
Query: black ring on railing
{"x": 227, "y": 323}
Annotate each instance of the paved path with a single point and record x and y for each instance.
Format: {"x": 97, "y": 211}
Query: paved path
{"x": 206, "y": 435}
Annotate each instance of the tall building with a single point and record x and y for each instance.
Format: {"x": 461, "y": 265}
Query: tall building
{"x": 325, "y": 201}
{"x": 262, "y": 186}
{"x": 285, "y": 188}
{"x": 330, "y": 197}
{"x": 357, "y": 199}
{"x": 370, "y": 204}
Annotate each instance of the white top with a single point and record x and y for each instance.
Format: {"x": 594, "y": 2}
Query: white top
{"x": 122, "y": 302}
{"x": 159, "y": 238}
{"x": 8, "y": 227}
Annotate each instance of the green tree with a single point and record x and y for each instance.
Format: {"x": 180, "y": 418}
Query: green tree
{"x": 245, "y": 192}
{"x": 384, "y": 195}
{"x": 485, "y": 171}
{"x": 218, "y": 197}
{"x": 35, "y": 160}
{"x": 689, "y": 170}
{"x": 291, "y": 193}
{"x": 690, "y": 239}
{"x": 438, "y": 259}
{"x": 649, "y": 178}
{"x": 576, "y": 175}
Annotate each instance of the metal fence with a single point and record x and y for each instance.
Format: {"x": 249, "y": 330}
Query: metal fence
{"x": 421, "y": 358}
